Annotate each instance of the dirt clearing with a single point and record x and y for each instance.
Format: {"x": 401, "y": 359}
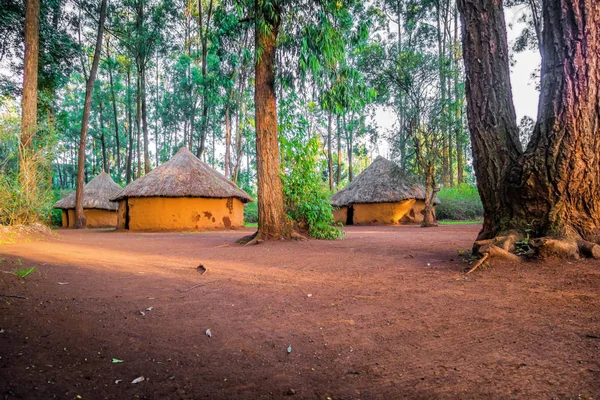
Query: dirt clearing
{"x": 386, "y": 312}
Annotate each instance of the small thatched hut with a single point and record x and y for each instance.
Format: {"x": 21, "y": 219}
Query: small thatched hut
{"x": 381, "y": 195}
{"x": 99, "y": 211}
{"x": 182, "y": 194}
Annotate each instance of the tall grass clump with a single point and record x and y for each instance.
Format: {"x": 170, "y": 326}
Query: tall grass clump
{"x": 26, "y": 195}
{"x": 459, "y": 203}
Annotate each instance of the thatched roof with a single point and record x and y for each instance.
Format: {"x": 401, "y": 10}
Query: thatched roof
{"x": 381, "y": 182}
{"x": 184, "y": 175}
{"x": 96, "y": 194}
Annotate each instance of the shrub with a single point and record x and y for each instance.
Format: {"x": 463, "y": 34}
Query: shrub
{"x": 459, "y": 203}
{"x": 251, "y": 212}
{"x": 305, "y": 195}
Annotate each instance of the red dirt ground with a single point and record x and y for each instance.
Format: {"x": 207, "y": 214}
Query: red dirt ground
{"x": 385, "y": 313}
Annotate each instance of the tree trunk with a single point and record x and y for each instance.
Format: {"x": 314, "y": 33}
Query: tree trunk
{"x": 552, "y": 188}
{"x": 204, "y": 43}
{"x": 129, "y": 129}
{"x": 138, "y": 122}
{"x": 102, "y": 139}
{"x": 329, "y": 155}
{"x": 89, "y": 88}
{"x": 338, "y": 177}
{"x": 29, "y": 101}
{"x": 272, "y": 219}
{"x": 145, "y": 120}
{"x": 114, "y": 104}
{"x": 227, "y": 139}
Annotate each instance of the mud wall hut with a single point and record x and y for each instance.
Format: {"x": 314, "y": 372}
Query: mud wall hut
{"x": 99, "y": 211}
{"x": 182, "y": 194}
{"x": 381, "y": 195}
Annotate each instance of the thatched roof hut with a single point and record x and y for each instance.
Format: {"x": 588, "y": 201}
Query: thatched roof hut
{"x": 184, "y": 175}
{"x": 99, "y": 210}
{"x": 96, "y": 194}
{"x": 182, "y": 194}
{"x": 400, "y": 198}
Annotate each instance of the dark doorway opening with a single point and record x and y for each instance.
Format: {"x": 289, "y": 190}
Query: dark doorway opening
{"x": 350, "y": 216}
{"x": 127, "y": 213}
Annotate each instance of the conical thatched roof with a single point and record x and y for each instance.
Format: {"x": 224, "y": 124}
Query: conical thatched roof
{"x": 184, "y": 175}
{"x": 96, "y": 194}
{"x": 382, "y": 182}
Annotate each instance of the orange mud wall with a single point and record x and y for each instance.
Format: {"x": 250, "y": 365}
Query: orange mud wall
{"x": 95, "y": 218}
{"x": 183, "y": 213}
{"x": 404, "y": 212}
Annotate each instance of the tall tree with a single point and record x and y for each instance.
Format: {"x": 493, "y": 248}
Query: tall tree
{"x": 89, "y": 88}
{"x": 551, "y": 188}
{"x": 271, "y": 213}
{"x": 29, "y": 102}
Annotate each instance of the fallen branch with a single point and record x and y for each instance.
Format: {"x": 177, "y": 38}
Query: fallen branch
{"x": 14, "y": 296}
{"x": 481, "y": 261}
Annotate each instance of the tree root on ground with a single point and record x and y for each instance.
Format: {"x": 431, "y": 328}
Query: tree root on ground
{"x": 504, "y": 248}
{"x": 257, "y": 238}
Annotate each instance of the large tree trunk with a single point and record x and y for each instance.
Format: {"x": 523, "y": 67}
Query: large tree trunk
{"x": 552, "y": 188}
{"x": 227, "y": 137}
{"x": 272, "y": 219}
{"x": 89, "y": 88}
{"x": 29, "y": 101}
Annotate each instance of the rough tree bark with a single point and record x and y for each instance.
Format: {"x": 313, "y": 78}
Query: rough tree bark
{"x": 29, "y": 101}
{"x": 272, "y": 219}
{"x": 89, "y": 88}
{"x": 550, "y": 189}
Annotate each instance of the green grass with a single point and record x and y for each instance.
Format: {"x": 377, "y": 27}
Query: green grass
{"x": 467, "y": 222}
{"x": 251, "y": 224}
{"x": 23, "y": 272}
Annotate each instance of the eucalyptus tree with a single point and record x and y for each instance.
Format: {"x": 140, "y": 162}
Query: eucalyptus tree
{"x": 80, "y": 219}
{"x": 29, "y": 100}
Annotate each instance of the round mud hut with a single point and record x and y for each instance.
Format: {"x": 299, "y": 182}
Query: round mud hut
{"x": 99, "y": 211}
{"x": 381, "y": 195}
{"x": 183, "y": 194}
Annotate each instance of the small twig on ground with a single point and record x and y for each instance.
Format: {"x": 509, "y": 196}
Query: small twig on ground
{"x": 194, "y": 287}
{"x": 14, "y": 296}
{"x": 478, "y": 264}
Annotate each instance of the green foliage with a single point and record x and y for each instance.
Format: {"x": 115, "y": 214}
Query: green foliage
{"x": 251, "y": 212}
{"x": 306, "y": 198}
{"x": 23, "y": 272}
{"x": 459, "y": 203}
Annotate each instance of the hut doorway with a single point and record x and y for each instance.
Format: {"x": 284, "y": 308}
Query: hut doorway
{"x": 350, "y": 216}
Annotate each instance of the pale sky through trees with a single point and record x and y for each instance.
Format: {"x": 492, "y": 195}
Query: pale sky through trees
{"x": 525, "y": 95}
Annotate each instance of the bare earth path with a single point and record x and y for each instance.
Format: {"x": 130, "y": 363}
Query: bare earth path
{"x": 385, "y": 313}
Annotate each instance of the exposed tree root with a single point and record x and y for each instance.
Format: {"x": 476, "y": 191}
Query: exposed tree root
{"x": 505, "y": 247}
{"x": 548, "y": 247}
{"x": 589, "y": 249}
{"x": 479, "y": 263}
{"x": 247, "y": 239}
{"x": 257, "y": 238}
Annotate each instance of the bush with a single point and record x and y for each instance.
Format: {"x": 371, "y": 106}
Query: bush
{"x": 305, "y": 195}
{"x": 16, "y": 208}
{"x": 459, "y": 203}
{"x": 251, "y": 212}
